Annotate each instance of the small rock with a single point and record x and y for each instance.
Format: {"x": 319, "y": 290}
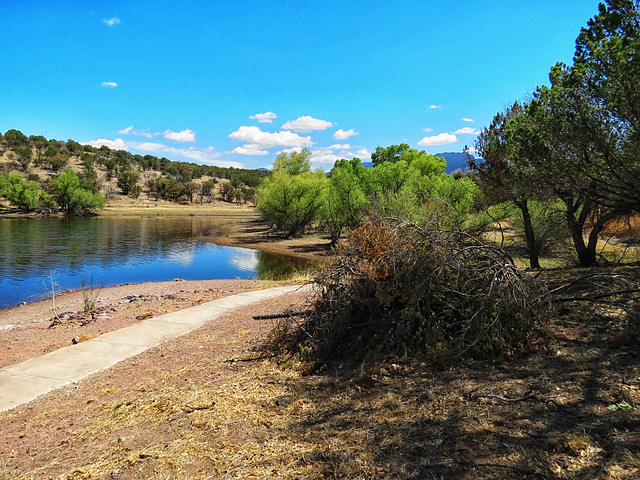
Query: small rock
{"x": 283, "y": 400}
{"x": 426, "y": 397}
{"x": 75, "y": 340}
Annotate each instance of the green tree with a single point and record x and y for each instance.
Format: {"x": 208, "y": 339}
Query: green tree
{"x": 15, "y": 138}
{"x": 293, "y": 163}
{"x": 583, "y": 131}
{"x": 26, "y": 196}
{"x": 72, "y": 197}
{"x": 127, "y": 180}
{"x": 292, "y": 202}
{"x": 503, "y": 178}
{"x": 391, "y": 154}
{"x": 206, "y": 190}
{"x": 347, "y": 202}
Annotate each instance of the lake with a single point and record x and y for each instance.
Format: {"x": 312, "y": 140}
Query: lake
{"x": 98, "y": 252}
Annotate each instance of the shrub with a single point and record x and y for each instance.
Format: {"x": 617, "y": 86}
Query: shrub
{"x": 402, "y": 288}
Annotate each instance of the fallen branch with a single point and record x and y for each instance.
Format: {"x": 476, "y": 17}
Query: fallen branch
{"x": 282, "y": 315}
{"x": 526, "y": 396}
{"x": 190, "y": 409}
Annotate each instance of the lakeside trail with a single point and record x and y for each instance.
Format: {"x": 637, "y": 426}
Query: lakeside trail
{"x": 207, "y": 405}
{"x": 23, "y": 382}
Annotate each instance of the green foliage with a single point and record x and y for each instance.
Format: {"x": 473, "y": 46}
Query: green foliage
{"x": 406, "y": 288}
{"x": 293, "y": 163}
{"x": 389, "y": 154}
{"x": 206, "y": 190}
{"x": 347, "y": 202}
{"x": 127, "y": 180}
{"x": 26, "y": 195}
{"x": 550, "y": 224}
{"x": 292, "y": 202}
{"x": 580, "y": 137}
{"x": 72, "y": 197}
{"x": 15, "y": 138}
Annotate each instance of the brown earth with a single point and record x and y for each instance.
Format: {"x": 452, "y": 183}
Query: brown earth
{"x": 208, "y": 406}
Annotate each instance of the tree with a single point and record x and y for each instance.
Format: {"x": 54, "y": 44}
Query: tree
{"x": 293, "y": 163}
{"x": 206, "y": 190}
{"x": 347, "y": 201}
{"x": 505, "y": 179}
{"x": 583, "y": 131}
{"x": 15, "y": 138}
{"x": 127, "y": 180}
{"x": 26, "y": 196}
{"x": 292, "y": 202}
{"x": 391, "y": 154}
{"x": 72, "y": 197}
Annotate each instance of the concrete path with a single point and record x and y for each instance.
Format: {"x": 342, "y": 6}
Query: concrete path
{"x": 23, "y": 382}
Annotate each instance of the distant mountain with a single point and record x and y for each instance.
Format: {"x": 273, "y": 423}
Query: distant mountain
{"x": 456, "y": 161}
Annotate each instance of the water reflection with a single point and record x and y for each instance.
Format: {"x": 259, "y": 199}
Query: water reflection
{"x": 109, "y": 251}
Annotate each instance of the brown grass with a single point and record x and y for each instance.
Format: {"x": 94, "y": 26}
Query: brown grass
{"x": 200, "y": 408}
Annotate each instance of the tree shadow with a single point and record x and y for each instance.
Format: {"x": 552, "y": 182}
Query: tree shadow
{"x": 544, "y": 415}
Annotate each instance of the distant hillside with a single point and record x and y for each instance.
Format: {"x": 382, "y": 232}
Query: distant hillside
{"x": 456, "y": 161}
{"x": 117, "y": 174}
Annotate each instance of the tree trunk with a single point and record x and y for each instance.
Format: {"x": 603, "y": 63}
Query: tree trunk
{"x": 586, "y": 256}
{"x": 529, "y": 234}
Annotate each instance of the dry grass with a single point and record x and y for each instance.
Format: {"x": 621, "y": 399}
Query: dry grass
{"x": 195, "y": 408}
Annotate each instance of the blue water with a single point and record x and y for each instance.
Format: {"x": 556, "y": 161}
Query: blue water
{"x": 97, "y": 252}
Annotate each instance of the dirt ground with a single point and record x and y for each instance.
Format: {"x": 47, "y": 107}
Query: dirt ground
{"x": 209, "y": 405}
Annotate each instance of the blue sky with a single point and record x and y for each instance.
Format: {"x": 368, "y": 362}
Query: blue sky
{"x": 233, "y": 83}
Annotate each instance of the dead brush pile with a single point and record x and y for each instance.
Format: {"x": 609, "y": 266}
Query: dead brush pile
{"x": 403, "y": 287}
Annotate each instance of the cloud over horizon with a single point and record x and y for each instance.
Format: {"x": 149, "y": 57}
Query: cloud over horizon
{"x": 207, "y": 156}
{"x": 117, "y": 144}
{"x": 258, "y": 140}
{"x": 440, "y": 139}
{"x": 306, "y": 124}
{"x": 185, "y": 135}
{"x": 467, "y": 131}
{"x": 109, "y": 84}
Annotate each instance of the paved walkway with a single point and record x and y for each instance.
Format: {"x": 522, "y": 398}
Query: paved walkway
{"x": 23, "y": 382}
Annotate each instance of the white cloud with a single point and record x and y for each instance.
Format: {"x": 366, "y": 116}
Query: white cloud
{"x": 249, "y": 149}
{"x": 324, "y": 157}
{"x": 428, "y": 130}
{"x": 117, "y": 144}
{"x": 363, "y": 154}
{"x": 344, "y": 134}
{"x": 109, "y": 84}
{"x": 255, "y": 137}
{"x": 467, "y": 131}
{"x": 306, "y": 124}
{"x": 433, "y": 107}
{"x": 185, "y": 135}
{"x": 327, "y": 155}
{"x": 207, "y": 156}
{"x": 465, "y": 119}
{"x": 112, "y": 21}
{"x": 440, "y": 139}
{"x": 131, "y": 131}
{"x": 266, "y": 117}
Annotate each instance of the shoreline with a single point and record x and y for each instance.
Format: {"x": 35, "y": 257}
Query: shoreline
{"x": 245, "y": 229}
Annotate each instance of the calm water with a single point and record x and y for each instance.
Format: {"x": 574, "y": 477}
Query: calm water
{"x": 99, "y": 252}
